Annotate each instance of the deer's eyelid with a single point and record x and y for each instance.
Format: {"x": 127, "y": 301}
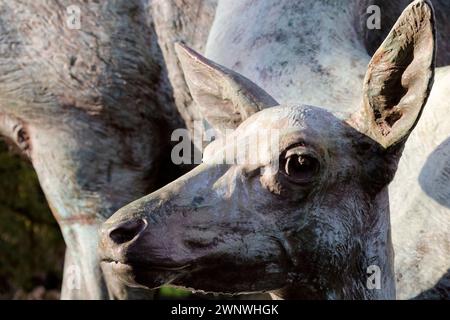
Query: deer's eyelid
{"x": 300, "y": 148}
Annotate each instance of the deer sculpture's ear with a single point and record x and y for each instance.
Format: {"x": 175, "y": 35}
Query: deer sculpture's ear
{"x": 224, "y": 97}
{"x": 399, "y": 78}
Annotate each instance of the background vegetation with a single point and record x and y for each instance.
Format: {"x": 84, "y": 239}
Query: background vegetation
{"x": 31, "y": 247}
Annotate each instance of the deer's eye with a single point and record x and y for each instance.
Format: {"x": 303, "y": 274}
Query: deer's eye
{"x": 300, "y": 168}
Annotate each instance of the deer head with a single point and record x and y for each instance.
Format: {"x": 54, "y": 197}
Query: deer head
{"x": 311, "y": 213}
{"x": 75, "y": 100}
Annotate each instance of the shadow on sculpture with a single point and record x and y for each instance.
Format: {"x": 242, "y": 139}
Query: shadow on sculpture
{"x": 436, "y": 173}
{"x": 440, "y": 291}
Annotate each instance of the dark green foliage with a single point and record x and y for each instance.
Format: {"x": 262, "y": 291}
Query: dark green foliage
{"x": 31, "y": 247}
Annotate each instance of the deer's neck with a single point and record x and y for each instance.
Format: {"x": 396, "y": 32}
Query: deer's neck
{"x": 298, "y": 51}
{"x": 86, "y": 177}
{"x": 82, "y": 278}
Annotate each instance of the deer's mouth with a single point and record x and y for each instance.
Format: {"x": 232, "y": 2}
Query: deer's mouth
{"x": 119, "y": 264}
{"x": 143, "y": 274}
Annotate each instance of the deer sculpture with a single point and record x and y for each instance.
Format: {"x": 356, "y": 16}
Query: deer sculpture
{"x": 311, "y": 214}
{"x": 92, "y": 108}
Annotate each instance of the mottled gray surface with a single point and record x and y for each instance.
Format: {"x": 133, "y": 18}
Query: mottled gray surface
{"x": 298, "y": 51}
{"x": 420, "y": 215}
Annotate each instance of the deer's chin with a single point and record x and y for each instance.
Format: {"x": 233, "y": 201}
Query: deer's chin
{"x": 230, "y": 280}
{"x": 143, "y": 276}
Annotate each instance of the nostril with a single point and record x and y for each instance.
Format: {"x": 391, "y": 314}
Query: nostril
{"x": 126, "y": 231}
